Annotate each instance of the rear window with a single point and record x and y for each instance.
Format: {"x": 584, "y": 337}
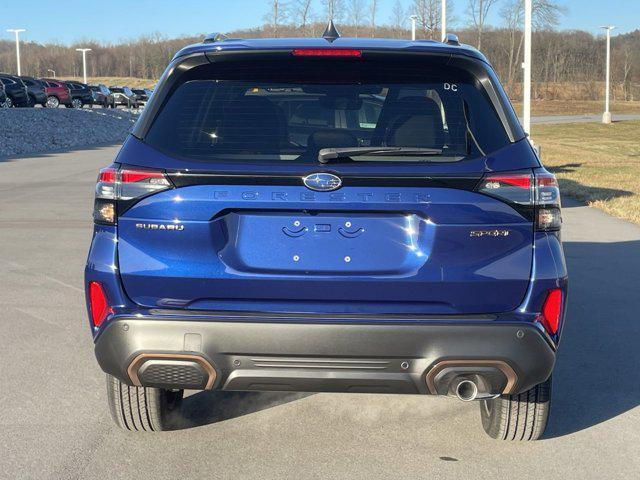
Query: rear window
{"x": 288, "y": 111}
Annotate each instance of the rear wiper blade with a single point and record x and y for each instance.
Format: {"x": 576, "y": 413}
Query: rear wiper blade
{"x": 327, "y": 154}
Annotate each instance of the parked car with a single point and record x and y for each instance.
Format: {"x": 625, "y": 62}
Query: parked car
{"x": 3, "y": 97}
{"x": 102, "y": 96}
{"x": 80, "y": 94}
{"x": 15, "y": 90}
{"x": 35, "y": 90}
{"x": 409, "y": 244}
{"x": 142, "y": 95}
{"x": 57, "y": 93}
{"x": 124, "y": 96}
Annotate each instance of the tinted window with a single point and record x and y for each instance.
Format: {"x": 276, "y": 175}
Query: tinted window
{"x": 275, "y": 111}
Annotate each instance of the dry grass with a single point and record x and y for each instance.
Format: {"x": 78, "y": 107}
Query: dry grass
{"x": 118, "y": 81}
{"x": 598, "y": 164}
{"x": 577, "y": 107}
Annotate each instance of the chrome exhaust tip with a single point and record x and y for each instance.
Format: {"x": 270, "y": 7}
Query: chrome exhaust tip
{"x": 466, "y": 390}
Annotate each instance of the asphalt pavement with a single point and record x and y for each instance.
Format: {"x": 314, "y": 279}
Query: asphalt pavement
{"x": 54, "y": 422}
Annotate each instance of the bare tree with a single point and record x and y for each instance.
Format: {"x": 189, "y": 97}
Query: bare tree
{"x": 546, "y": 15}
{"x": 276, "y": 16}
{"x": 334, "y": 9}
{"x": 302, "y": 13}
{"x": 398, "y": 18}
{"x": 622, "y": 61}
{"x": 478, "y": 12}
{"x": 373, "y": 9}
{"x": 357, "y": 13}
{"x": 428, "y": 13}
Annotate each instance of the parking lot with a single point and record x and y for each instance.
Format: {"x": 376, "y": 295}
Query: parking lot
{"x": 54, "y": 421}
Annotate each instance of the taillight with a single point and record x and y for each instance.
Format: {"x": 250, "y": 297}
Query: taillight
{"x": 98, "y": 304}
{"x": 512, "y": 187}
{"x": 327, "y": 52}
{"x": 548, "y": 215}
{"x": 136, "y": 182}
{"x": 123, "y": 184}
{"x": 538, "y": 190}
{"x": 551, "y": 311}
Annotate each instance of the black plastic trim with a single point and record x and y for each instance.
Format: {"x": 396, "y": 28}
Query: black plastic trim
{"x": 336, "y": 357}
{"x": 466, "y": 182}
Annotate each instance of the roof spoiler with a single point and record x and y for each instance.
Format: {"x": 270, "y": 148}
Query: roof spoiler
{"x": 452, "y": 39}
{"x": 215, "y": 37}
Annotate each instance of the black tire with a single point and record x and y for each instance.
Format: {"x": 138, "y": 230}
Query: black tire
{"x": 52, "y": 102}
{"x": 8, "y": 103}
{"x": 521, "y": 417}
{"x": 77, "y": 103}
{"x": 142, "y": 409}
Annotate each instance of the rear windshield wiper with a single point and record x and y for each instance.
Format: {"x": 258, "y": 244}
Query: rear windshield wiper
{"x": 327, "y": 154}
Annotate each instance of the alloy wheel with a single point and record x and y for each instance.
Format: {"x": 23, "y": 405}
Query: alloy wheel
{"x": 52, "y": 102}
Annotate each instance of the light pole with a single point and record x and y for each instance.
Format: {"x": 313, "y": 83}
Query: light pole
{"x": 606, "y": 116}
{"x": 17, "y": 32}
{"x": 413, "y": 26}
{"x": 527, "y": 68}
{"x": 84, "y": 61}
{"x": 443, "y": 20}
{"x": 53, "y": 72}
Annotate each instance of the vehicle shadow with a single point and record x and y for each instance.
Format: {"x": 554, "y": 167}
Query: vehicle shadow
{"x": 206, "y": 407}
{"x": 566, "y": 168}
{"x": 583, "y": 192}
{"x": 598, "y": 368}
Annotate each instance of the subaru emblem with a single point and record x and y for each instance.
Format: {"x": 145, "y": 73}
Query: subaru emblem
{"x": 322, "y": 182}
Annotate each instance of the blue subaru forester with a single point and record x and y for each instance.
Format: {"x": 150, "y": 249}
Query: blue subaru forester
{"x": 328, "y": 215}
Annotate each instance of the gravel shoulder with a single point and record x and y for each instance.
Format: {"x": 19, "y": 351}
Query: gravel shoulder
{"x": 42, "y": 130}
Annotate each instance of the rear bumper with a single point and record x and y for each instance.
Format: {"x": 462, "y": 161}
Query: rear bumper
{"x": 227, "y": 354}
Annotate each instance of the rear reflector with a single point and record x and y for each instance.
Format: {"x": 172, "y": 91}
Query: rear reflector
{"x": 326, "y": 52}
{"x": 98, "y": 303}
{"x": 552, "y": 311}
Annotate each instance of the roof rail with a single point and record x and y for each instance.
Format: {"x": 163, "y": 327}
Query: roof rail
{"x": 215, "y": 37}
{"x": 451, "y": 39}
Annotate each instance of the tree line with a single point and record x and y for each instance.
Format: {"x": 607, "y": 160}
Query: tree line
{"x": 568, "y": 64}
